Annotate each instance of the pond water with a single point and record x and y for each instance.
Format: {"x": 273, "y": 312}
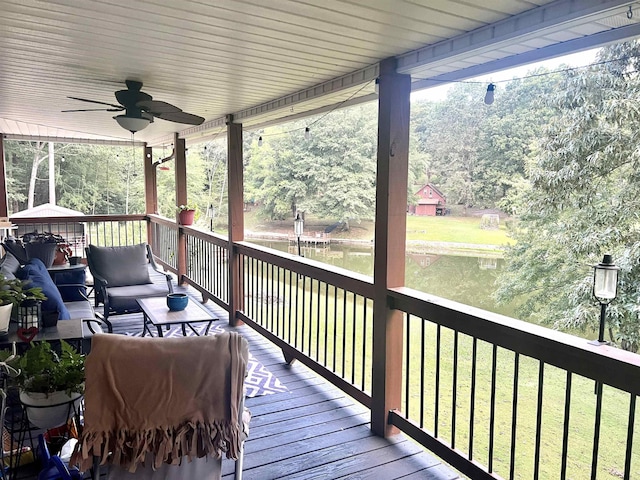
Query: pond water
{"x": 465, "y": 279}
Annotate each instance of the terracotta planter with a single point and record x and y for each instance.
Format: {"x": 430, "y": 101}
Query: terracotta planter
{"x": 185, "y": 217}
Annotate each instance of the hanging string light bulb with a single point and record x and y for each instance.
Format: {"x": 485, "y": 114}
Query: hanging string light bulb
{"x": 488, "y": 98}
{"x": 260, "y": 141}
{"x": 307, "y": 133}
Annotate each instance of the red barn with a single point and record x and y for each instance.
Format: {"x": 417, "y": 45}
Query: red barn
{"x": 431, "y": 201}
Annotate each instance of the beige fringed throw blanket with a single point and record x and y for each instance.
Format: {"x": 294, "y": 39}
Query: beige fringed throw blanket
{"x": 170, "y": 397}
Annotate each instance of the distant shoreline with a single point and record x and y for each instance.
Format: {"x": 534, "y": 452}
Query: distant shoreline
{"x": 413, "y": 246}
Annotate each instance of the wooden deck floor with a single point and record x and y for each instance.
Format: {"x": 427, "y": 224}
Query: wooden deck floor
{"x": 315, "y": 431}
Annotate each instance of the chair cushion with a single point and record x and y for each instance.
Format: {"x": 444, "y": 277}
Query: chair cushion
{"x": 73, "y": 279}
{"x": 9, "y": 265}
{"x": 36, "y": 274}
{"x": 123, "y": 299}
{"x": 121, "y": 266}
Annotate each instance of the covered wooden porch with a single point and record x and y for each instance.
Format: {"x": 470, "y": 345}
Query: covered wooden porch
{"x": 418, "y": 364}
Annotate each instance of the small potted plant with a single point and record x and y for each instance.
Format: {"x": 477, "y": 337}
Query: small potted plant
{"x": 15, "y": 292}
{"x": 51, "y": 385}
{"x": 186, "y": 213}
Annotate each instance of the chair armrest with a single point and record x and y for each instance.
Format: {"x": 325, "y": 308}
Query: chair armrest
{"x": 99, "y": 281}
{"x": 98, "y": 320}
{"x": 153, "y": 264}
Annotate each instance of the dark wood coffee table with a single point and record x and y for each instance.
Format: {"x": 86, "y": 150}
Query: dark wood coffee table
{"x": 157, "y": 313}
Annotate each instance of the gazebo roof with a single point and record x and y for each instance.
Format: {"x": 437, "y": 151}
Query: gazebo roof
{"x": 266, "y": 61}
{"x": 47, "y": 210}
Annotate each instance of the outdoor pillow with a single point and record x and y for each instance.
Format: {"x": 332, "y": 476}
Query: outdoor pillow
{"x": 9, "y": 265}
{"x": 74, "y": 279}
{"x": 36, "y": 274}
{"x": 121, "y": 266}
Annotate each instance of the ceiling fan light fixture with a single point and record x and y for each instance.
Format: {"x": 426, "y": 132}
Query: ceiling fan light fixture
{"x": 133, "y": 124}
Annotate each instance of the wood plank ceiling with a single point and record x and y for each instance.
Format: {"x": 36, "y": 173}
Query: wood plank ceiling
{"x": 262, "y": 60}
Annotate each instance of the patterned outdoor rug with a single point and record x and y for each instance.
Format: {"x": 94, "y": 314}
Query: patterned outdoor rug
{"x": 259, "y": 381}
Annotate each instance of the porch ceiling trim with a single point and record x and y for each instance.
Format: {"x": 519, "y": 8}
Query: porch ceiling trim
{"x": 546, "y": 19}
{"x": 545, "y": 53}
{"x": 91, "y": 141}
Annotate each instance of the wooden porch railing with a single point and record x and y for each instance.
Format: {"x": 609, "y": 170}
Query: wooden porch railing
{"x": 501, "y": 398}
{"x": 493, "y": 396}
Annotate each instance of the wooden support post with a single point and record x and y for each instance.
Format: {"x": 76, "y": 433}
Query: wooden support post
{"x": 4, "y": 208}
{"x": 150, "y": 189}
{"x": 390, "y": 238}
{"x": 236, "y": 217}
{"x": 181, "y": 199}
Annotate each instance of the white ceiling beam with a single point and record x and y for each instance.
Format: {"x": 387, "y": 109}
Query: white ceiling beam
{"x": 344, "y": 82}
{"x": 545, "y": 53}
{"x": 89, "y": 141}
{"x": 553, "y": 17}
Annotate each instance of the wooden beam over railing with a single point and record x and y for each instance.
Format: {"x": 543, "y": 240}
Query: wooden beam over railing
{"x": 4, "y": 210}
{"x": 181, "y": 199}
{"x": 150, "y": 188}
{"x": 390, "y": 237}
{"x": 236, "y": 216}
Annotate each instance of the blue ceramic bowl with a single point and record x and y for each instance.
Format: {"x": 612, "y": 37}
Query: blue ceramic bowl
{"x": 177, "y": 301}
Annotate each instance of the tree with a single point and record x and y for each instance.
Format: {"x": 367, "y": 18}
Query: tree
{"x": 583, "y": 202}
{"x": 331, "y": 175}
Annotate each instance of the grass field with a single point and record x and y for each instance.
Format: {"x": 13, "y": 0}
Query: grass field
{"x": 456, "y": 229}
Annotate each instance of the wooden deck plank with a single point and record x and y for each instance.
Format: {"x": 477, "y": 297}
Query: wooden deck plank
{"x": 315, "y": 431}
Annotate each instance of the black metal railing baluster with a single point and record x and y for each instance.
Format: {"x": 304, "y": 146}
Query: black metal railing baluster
{"x": 565, "y": 429}
{"x": 407, "y": 365}
{"x": 423, "y": 349}
{"x": 536, "y": 456}
{"x": 472, "y": 394}
{"x": 492, "y": 412}
{"x": 437, "y": 385}
{"x": 514, "y": 416}
{"x": 353, "y": 340}
{"x": 596, "y": 431}
{"x": 629, "y": 449}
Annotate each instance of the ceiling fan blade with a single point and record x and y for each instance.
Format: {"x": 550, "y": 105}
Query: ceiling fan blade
{"x": 96, "y": 101}
{"x": 181, "y": 117}
{"x": 157, "y": 107}
{"x": 95, "y": 110}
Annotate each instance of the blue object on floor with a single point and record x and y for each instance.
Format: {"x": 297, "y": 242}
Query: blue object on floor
{"x": 53, "y": 468}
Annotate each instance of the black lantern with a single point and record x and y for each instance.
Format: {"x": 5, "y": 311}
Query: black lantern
{"x": 28, "y": 314}
{"x": 605, "y": 289}
{"x": 298, "y": 228}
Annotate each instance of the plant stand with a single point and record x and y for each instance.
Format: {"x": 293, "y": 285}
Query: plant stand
{"x": 48, "y": 411}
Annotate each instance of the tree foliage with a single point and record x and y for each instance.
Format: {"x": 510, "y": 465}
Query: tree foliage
{"x": 93, "y": 179}
{"x": 331, "y": 175}
{"x": 584, "y": 201}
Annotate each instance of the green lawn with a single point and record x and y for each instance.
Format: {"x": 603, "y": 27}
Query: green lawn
{"x": 455, "y": 229}
{"x": 450, "y": 228}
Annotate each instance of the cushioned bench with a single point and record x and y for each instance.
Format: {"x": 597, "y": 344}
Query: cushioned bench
{"x": 74, "y": 305}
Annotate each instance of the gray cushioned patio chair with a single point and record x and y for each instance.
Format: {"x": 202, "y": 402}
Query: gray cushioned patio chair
{"x": 122, "y": 275}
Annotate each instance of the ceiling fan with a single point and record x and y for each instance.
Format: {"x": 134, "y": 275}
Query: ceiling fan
{"x": 140, "y": 109}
